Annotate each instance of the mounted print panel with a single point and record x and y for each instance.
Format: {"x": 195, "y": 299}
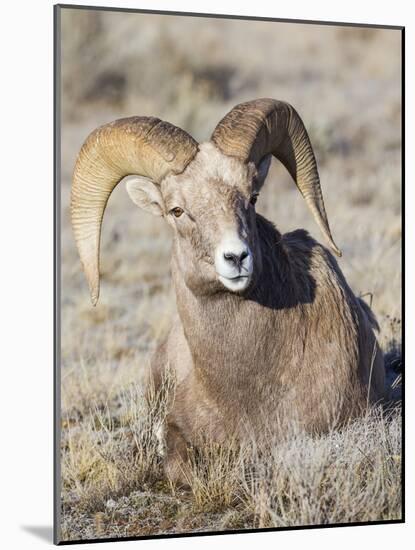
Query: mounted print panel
{"x": 228, "y": 337}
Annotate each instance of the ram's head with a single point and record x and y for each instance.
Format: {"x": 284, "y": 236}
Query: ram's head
{"x": 206, "y": 192}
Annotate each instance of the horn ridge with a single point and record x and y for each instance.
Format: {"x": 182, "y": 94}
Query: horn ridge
{"x": 256, "y": 128}
{"x": 145, "y": 146}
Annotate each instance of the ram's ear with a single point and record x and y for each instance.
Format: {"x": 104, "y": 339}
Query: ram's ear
{"x": 145, "y": 194}
{"x": 262, "y": 170}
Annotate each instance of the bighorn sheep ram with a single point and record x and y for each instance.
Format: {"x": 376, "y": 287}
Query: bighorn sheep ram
{"x": 268, "y": 332}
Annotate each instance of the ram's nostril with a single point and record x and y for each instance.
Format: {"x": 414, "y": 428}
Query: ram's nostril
{"x": 230, "y": 257}
{"x": 236, "y": 259}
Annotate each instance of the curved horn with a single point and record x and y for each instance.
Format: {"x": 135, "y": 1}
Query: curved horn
{"x": 256, "y": 128}
{"x": 143, "y": 146}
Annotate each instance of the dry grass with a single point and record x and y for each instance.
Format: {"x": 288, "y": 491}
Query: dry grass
{"x": 345, "y": 82}
{"x": 113, "y": 483}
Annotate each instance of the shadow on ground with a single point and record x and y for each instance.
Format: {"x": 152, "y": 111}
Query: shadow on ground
{"x": 43, "y": 532}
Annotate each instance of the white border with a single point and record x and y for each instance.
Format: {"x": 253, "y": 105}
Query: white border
{"x": 26, "y": 268}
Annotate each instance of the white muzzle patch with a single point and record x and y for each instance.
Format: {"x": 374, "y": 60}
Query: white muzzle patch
{"x": 233, "y": 262}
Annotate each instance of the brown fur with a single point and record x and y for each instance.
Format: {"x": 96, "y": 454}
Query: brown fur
{"x": 296, "y": 347}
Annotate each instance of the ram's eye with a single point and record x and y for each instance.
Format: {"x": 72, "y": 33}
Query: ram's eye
{"x": 253, "y": 199}
{"x": 177, "y": 212}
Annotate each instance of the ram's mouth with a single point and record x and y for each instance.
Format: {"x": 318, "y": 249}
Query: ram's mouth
{"x": 235, "y": 284}
{"x": 236, "y": 278}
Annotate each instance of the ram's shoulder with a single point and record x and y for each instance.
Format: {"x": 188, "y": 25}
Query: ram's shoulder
{"x": 310, "y": 257}
{"x": 301, "y": 247}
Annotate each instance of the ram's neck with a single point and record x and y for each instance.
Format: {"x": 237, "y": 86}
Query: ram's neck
{"x": 228, "y": 334}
